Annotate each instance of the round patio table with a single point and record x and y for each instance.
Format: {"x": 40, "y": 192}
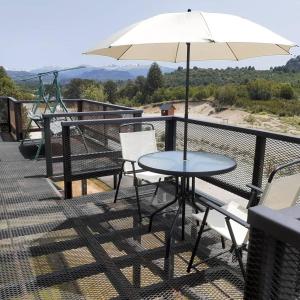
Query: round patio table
{"x": 198, "y": 164}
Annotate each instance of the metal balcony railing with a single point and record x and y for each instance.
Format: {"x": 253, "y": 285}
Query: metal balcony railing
{"x": 13, "y": 113}
{"x": 52, "y": 130}
{"x": 257, "y": 152}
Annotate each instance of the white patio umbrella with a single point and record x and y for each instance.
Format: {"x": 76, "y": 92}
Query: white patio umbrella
{"x": 178, "y": 37}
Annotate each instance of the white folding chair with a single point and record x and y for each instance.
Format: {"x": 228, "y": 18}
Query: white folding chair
{"x": 135, "y": 144}
{"x": 230, "y": 220}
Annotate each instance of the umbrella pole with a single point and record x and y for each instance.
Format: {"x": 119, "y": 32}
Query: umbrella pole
{"x": 186, "y": 108}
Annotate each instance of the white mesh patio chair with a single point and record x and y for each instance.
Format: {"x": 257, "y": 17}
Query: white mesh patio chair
{"x": 135, "y": 144}
{"x": 230, "y": 220}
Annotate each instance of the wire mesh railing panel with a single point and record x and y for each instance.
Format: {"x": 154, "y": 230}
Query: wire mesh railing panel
{"x": 92, "y": 106}
{"x": 56, "y": 130}
{"x": 84, "y": 139}
{"x": 72, "y": 106}
{"x": 273, "y": 268}
{"x": 97, "y": 146}
{"x": 12, "y": 117}
{"x": 3, "y": 111}
{"x": 277, "y": 153}
{"x": 4, "y": 126}
{"x": 239, "y": 146}
{"x": 56, "y": 134}
{"x": 110, "y": 115}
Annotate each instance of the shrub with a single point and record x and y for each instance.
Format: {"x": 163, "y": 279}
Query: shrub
{"x": 250, "y": 119}
{"x": 160, "y": 95}
{"x": 278, "y": 107}
{"x": 178, "y": 92}
{"x": 260, "y": 89}
{"x": 211, "y": 90}
{"x": 286, "y": 91}
{"x": 127, "y": 102}
{"x": 201, "y": 94}
{"x": 226, "y": 95}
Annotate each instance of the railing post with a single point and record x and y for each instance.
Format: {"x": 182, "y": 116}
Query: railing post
{"x": 18, "y": 120}
{"x": 259, "y": 158}
{"x": 170, "y": 135}
{"x": 137, "y": 115}
{"x": 10, "y": 103}
{"x": 67, "y": 161}
{"x": 79, "y": 106}
{"x": 8, "y": 115}
{"x": 48, "y": 146}
{"x": 83, "y": 187}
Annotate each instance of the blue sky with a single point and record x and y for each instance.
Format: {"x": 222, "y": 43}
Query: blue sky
{"x": 37, "y": 33}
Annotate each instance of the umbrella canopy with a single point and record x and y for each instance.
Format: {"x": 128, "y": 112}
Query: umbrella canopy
{"x": 211, "y": 35}
{"x": 178, "y": 37}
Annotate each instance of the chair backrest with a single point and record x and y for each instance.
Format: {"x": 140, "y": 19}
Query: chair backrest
{"x": 136, "y": 144}
{"x": 281, "y": 192}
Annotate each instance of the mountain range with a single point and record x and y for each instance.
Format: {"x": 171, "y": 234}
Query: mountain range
{"x": 114, "y": 72}
{"x": 111, "y": 72}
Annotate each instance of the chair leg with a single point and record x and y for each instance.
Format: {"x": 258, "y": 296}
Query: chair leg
{"x": 223, "y": 242}
{"x": 198, "y": 240}
{"x": 135, "y": 183}
{"x": 115, "y": 181}
{"x": 137, "y": 198}
{"x": 119, "y": 182}
{"x": 236, "y": 249}
{"x": 193, "y": 199}
{"x": 37, "y": 154}
{"x": 169, "y": 238}
{"x": 159, "y": 210}
{"x": 157, "y": 186}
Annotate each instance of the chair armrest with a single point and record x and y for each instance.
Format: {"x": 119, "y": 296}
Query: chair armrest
{"x": 280, "y": 167}
{"x": 255, "y": 188}
{"x": 202, "y": 195}
{"x": 224, "y": 212}
{"x": 127, "y": 160}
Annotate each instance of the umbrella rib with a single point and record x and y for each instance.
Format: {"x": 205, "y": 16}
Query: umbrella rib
{"x": 124, "y": 52}
{"x": 206, "y": 25}
{"x": 176, "y": 53}
{"x": 232, "y": 51}
{"x": 283, "y": 49}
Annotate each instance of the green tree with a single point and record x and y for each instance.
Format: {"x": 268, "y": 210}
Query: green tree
{"x": 129, "y": 90}
{"x": 110, "y": 90}
{"x": 73, "y": 89}
{"x": 140, "y": 83}
{"x": 154, "y": 79}
{"x": 93, "y": 92}
{"x": 7, "y": 85}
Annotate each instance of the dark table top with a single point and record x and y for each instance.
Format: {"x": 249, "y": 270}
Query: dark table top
{"x": 197, "y": 164}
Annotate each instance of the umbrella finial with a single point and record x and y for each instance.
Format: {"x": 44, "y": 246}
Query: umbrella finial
{"x": 189, "y": 10}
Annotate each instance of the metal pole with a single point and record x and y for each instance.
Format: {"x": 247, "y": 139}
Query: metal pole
{"x": 186, "y": 109}
{"x": 67, "y": 162}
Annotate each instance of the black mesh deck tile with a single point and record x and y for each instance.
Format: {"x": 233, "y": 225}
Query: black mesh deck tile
{"x": 90, "y": 248}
